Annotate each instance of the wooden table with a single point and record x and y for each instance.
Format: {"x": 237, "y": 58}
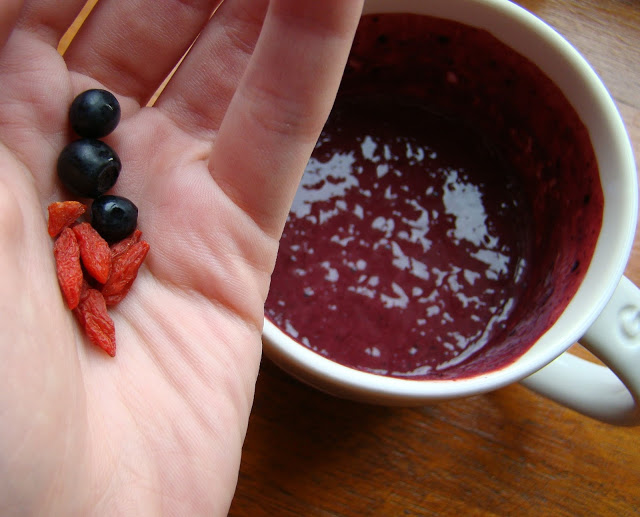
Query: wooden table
{"x": 506, "y": 453}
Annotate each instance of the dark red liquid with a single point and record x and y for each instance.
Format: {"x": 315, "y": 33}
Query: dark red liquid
{"x": 441, "y": 225}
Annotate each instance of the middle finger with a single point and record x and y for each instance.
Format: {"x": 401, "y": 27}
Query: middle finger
{"x": 130, "y": 47}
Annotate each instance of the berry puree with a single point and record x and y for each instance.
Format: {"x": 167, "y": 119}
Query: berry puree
{"x": 448, "y": 213}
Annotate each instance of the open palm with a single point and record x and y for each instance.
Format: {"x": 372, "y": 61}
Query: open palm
{"x": 212, "y": 167}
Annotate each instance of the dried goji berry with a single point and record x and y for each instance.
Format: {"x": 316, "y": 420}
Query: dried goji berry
{"x": 120, "y": 247}
{"x": 63, "y": 214}
{"x": 124, "y": 270}
{"x": 94, "y": 252}
{"x": 93, "y": 316}
{"x": 67, "y": 254}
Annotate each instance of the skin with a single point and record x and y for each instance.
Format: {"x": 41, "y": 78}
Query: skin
{"x": 213, "y": 167}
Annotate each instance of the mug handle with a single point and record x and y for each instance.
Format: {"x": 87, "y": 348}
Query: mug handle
{"x": 608, "y": 393}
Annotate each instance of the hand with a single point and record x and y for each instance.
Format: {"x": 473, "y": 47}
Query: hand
{"x": 213, "y": 167}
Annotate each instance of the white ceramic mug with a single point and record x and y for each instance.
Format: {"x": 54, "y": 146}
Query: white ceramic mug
{"x": 604, "y": 314}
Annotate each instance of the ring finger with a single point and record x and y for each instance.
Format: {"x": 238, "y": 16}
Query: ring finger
{"x": 200, "y": 91}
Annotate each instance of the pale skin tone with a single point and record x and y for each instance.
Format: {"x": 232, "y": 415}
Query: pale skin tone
{"x": 212, "y": 167}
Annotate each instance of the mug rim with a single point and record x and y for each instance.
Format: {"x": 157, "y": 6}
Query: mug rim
{"x": 570, "y": 71}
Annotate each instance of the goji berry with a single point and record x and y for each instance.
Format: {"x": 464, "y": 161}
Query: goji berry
{"x": 120, "y": 247}
{"x": 63, "y": 214}
{"x": 124, "y": 270}
{"x": 94, "y": 252}
{"x": 67, "y": 255}
{"x": 93, "y": 316}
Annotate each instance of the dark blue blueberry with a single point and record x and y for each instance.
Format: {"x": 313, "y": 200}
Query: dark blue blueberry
{"x": 94, "y": 113}
{"x": 114, "y": 217}
{"x": 88, "y": 167}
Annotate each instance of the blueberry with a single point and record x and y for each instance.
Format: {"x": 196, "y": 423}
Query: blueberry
{"x": 88, "y": 167}
{"x": 114, "y": 217}
{"x": 94, "y": 113}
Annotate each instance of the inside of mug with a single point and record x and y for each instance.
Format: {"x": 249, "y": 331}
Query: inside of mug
{"x": 478, "y": 101}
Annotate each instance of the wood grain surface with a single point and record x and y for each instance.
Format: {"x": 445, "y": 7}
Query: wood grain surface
{"x": 507, "y": 453}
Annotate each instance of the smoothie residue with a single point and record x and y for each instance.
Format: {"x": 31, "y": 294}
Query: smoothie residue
{"x": 401, "y": 254}
{"x": 439, "y": 229}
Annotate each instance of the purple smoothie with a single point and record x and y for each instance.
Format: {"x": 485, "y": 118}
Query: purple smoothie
{"x": 441, "y": 225}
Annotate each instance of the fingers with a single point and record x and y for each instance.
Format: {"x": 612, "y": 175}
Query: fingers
{"x": 281, "y": 104}
{"x": 9, "y": 10}
{"x": 131, "y": 46}
{"x": 49, "y": 19}
{"x": 199, "y": 92}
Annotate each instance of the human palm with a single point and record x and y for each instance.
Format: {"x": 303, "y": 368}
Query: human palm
{"x": 212, "y": 167}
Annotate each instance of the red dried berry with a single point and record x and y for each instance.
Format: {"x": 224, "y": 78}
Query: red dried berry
{"x": 67, "y": 255}
{"x": 62, "y": 214}
{"x": 124, "y": 270}
{"x": 93, "y": 317}
{"x": 121, "y": 246}
{"x": 94, "y": 251}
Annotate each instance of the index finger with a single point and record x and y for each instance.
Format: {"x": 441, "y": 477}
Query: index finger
{"x": 281, "y": 105}
{"x": 8, "y": 14}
